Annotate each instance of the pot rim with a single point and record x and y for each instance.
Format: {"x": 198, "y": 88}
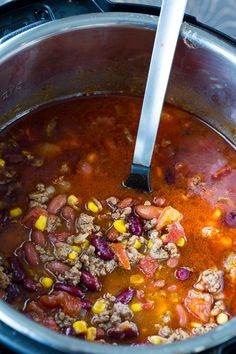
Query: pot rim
{"x": 193, "y": 36}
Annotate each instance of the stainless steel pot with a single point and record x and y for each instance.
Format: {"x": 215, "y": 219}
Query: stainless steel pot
{"x": 110, "y": 53}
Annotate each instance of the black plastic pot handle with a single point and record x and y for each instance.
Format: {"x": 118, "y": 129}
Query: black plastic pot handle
{"x": 24, "y": 18}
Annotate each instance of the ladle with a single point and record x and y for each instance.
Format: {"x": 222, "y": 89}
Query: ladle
{"x": 170, "y": 20}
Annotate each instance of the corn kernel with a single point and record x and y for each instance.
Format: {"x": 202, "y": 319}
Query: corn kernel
{"x": 93, "y": 207}
{"x": 41, "y": 223}
{"x": 217, "y": 214}
{"x": 222, "y": 318}
{"x": 150, "y": 244}
{"x": 225, "y": 242}
{"x": 91, "y": 333}
{"x": 181, "y": 242}
{"x": 47, "y": 282}
{"x": 159, "y": 172}
{"x": 72, "y": 256}
{"x": 85, "y": 244}
{"x": 77, "y": 249}
{"x": 137, "y": 307}
{"x": 16, "y": 212}
{"x": 137, "y": 244}
{"x": 156, "y": 340}
{"x": 72, "y": 200}
{"x": 136, "y": 279}
{"x": 195, "y": 324}
{"x": 119, "y": 225}
{"x": 2, "y": 163}
{"x": 80, "y": 327}
{"x": 91, "y": 157}
{"x": 99, "y": 306}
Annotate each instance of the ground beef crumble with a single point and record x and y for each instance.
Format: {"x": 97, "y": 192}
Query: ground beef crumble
{"x": 63, "y": 320}
{"x": 5, "y": 279}
{"x": 71, "y": 276}
{"x": 53, "y": 223}
{"x": 205, "y": 328}
{"x": 45, "y": 254}
{"x": 230, "y": 265}
{"x": 95, "y": 265}
{"x": 170, "y": 336}
{"x": 210, "y": 280}
{"x": 41, "y": 196}
{"x": 84, "y": 224}
{"x": 113, "y": 315}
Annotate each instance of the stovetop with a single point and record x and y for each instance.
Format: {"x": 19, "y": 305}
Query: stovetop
{"x": 18, "y": 14}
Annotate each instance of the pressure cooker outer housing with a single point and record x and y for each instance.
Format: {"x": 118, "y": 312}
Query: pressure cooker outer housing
{"x": 109, "y": 53}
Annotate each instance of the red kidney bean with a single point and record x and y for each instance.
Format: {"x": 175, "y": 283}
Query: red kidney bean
{"x": 38, "y": 238}
{"x": 170, "y": 176}
{"x": 102, "y": 248}
{"x": 29, "y": 285}
{"x": 31, "y": 254}
{"x": 135, "y": 226}
{"x": 148, "y": 212}
{"x": 57, "y": 203}
{"x": 2, "y": 294}
{"x": 73, "y": 290}
{"x": 112, "y": 234}
{"x": 183, "y": 319}
{"x": 85, "y": 169}
{"x": 59, "y": 237}
{"x": 125, "y": 296}
{"x": 69, "y": 215}
{"x": 18, "y": 273}
{"x": 123, "y": 331}
{"x": 91, "y": 282}
{"x": 230, "y": 219}
{"x": 57, "y": 267}
{"x": 100, "y": 333}
{"x": 12, "y": 292}
{"x": 13, "y": 158}
{"x": 182, "y": 273}
{"x": 32, "y": 215}
{"x": 4, "y": 217}
{"x": 86, "y": 304}
{"x": 160, "y": 202}
{"x": 172, "y": 262}
{"x": 69, "y": 331}
{"x": 124, "y": 203}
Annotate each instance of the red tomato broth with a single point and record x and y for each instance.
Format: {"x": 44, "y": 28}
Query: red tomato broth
{"x": 95, "y": 137}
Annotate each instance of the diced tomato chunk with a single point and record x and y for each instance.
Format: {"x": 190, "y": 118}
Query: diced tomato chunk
{"x": 121, "y": 254}
{"x": 183, "y": 318}
{"x": 148, "y": 305}
{"x": 70, "y": 304}
{"x": 168, "y": 216}
{"x": 199, "y": 304}
{"x": 148, "y": 266}
{"x": 35, "y": 311}
{"x": 176, "y": 232}
{"x": 51, "y": 324}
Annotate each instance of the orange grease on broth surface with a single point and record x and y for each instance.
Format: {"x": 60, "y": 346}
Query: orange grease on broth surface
{"x": 107, "y": 126}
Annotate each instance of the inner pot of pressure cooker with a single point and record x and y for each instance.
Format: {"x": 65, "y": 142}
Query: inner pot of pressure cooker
{"x": 80, "y": 253}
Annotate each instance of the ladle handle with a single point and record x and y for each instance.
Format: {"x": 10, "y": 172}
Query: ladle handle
{"x": 171, "y": 17}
